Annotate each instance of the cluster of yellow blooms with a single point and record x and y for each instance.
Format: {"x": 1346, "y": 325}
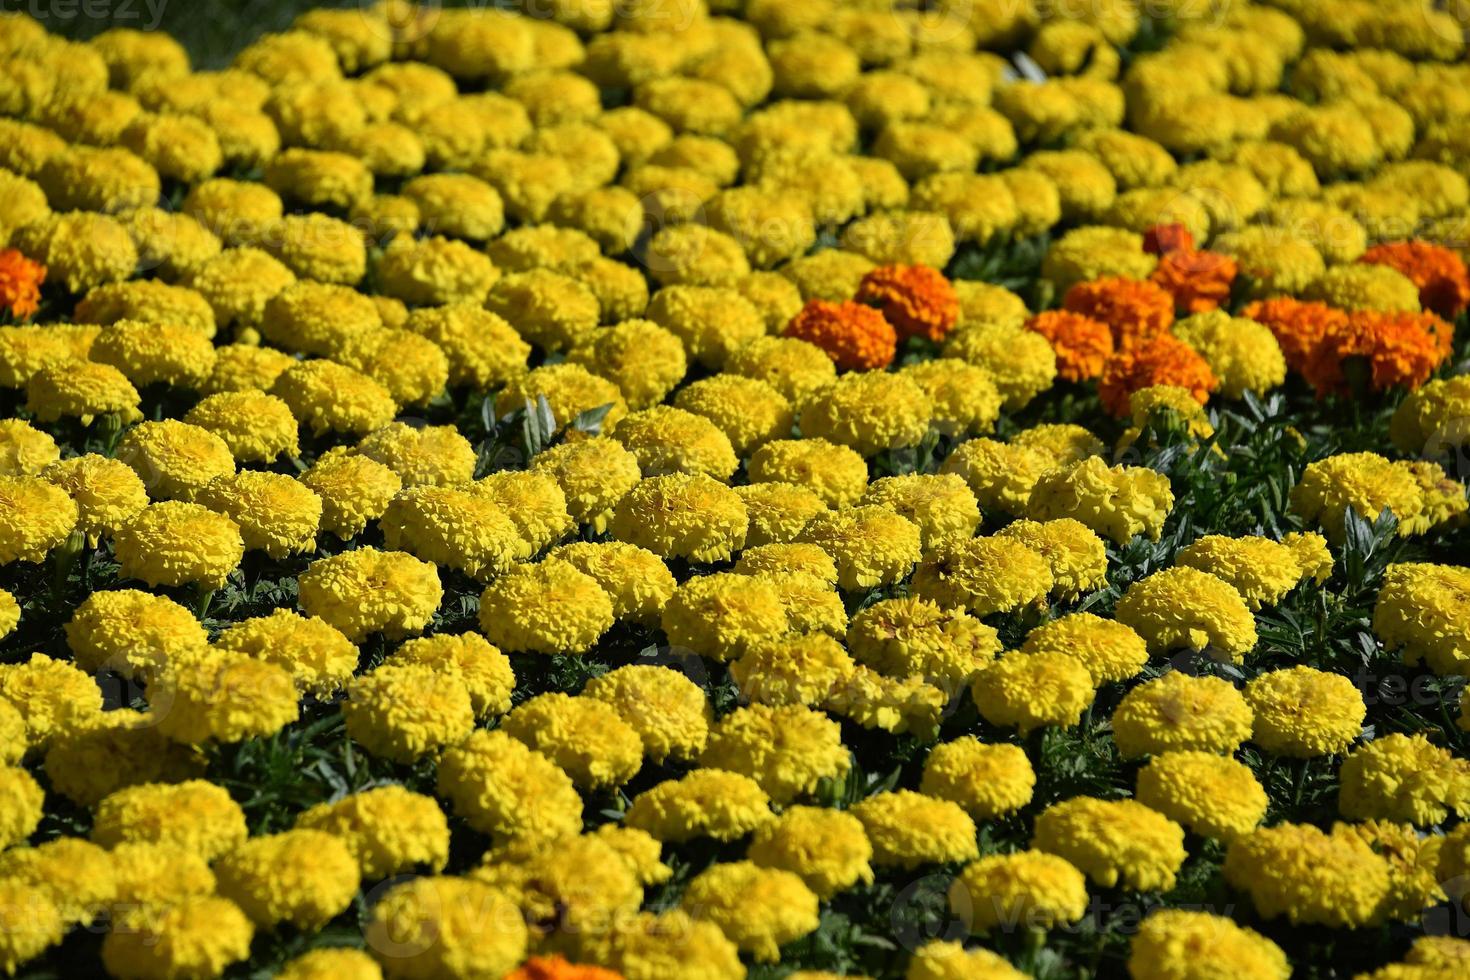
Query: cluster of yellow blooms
{"x": 704, "y": 236}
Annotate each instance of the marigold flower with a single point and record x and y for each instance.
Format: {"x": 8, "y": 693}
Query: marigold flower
{"x": 1400, "y": 350}
{"x": 1163, "y": 360}
{"x": 669, "y": 712}
{"x": 1033, "y": 690}
{"x": 436, "y": 926}
{"x": 1365, "y": 482}
{"x": 131, "y": 631}
{"x": 917, "y": 300}
{"x": 549, "y": 607}
{"x": 201, "y": 935}
{"x": 388, "y": 830}
{"x": 1082, "y": 344}
{"x": 1181, "y": 712}
{"x": 368, "y": 591}
{"x": 684, "y": 516}
{"x": 1403, "y": 778}
{"x": 1113, "y": 841}
{"x": 1117, "y": 502}
{"x": 759, "y": 908}
{"x": 1176, "y": 943}
{"x": 1135, "y": 310}
{"x": 1309, "y": 876}
{"x": 827, "y": 849}
{"x": 20, "y": 283}
{"x": 789, "y": 750}
{"x": 854, "y": 336}
{"x": 82, "y": 390}
{"x": 275, "y": 513}
{"x": 586, "y": 737}
{"x": 1212, "y": 795}
{"x": 1033, "y": 888}
{"x": 705, "y": 803}
{"x": 909, "y": 829}
{"x": 1299, "y": 326}
{"x": 1444, "y": 286}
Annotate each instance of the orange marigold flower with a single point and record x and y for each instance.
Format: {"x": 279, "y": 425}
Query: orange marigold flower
{"x": 1135, "y": 310}
{"x": 1299, "y": 326}
{"x": 1439, "y": 272}
{"x": 856, "y": 337}
{"x": 917, "y": 299}
{"x": 1398, "y": 350}
{"x": 1165, "y": 360}
{"x": 1163, "y": 239}
{"x": 1082, "y": 344}
{"x": 557, "y": 968}
{"x": 1198, "y": 281}
{"x": 20, "y": 283}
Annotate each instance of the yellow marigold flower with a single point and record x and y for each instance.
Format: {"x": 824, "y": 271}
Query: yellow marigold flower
{"x": 150, "y": 301}
{"x": 551, "y": 310}
{"x": 1109, "y": 650}
{"x": 1184, "y": 607}
{"x": 683, "y": 516}
{"x": 650, "y": 946}
{"x": 989, "y": 781}
{"x": 871, "y": 545}
{"x": 1242, "y": 353}
{"x": 25, "y": 350}
{"x": 1094, "y": 251}
{"x": 1275, "y": 261}
{"x": 1311, "y": 877}
{"x": 908, "y": 830}
{"x": 1179, "y": 711}
{"x": 550, "y": 607}
{"x": 1260, "y": 569}
{"x": 827, "y": 849}
{"x": 175, "y": 459}
{"x": 1075, "y": 554}
{"x": 117, "y": 748}
{"x": 787, "y": 558}
{"x": 868, "y": 411}
{"x": 910, "y": 636}
{"x": 240, "y": 367}
{"x": 330, "y": 962}
{"x": 100, "y": 179}
{"x": 1000, "y": 475}
{"x": 368, "y": 591}
{"x": 694, "y": 255}
{"x": 670, "y": 440}
{"x": 1363, "y": 286}
{"x": 573, "y": 886}
{"x": 387, "y": 829}
{"x": 835, "y": 473}
{"x": 641, "y": 358}
{"x": 150, "y": 877}
{"x": 219, "y": 695}
{"x": 193, "y": 814}
{"x": 748, "y": 411}
{"x": 321, "y": 660}
{"x": 1421, "y": 608}
{"x": 1413, "y": 882}
{"x": 331, "y": 397}
{"x": 131, "y": 631}
{"x": 319, "y": 178}
{"x": 793, "y": 367}
{"x": 23, "y": 805}
{"x": 505, "y": 789}
{"x": 75, "y": 874}
{"x": 414, "y": 369}
{"x": 25, "y": 450}
{"x": 1302, "y": 712}
{"x": 584, "y": 736}
{"x": 778, "y": 511}
{"x": 275, "y": 513}
{"x": 724, "y": 615}
{"x": 1431, "y": 419}
{"x": 985, "y": 303}
{"x": 404, "y": 711}
{"x": 712, "y": 322}
{"x": 239, "y": 212}
{"x": 788, "y": 750}
{"x": 434, "y": 270}
{"x": 1031, "y": 690}
{"x": 1030, "y": 888}
{"x": 964, "y": 397}
{"x": 53, "y": 696}
{"x": 1113, "y": 841}
{"x": 180, "y": 147}
{"x": 1214, "y": 796}
{"x": 759, "y": 908}
{"x": 983, "y": 575}
{"x": 81, "y": 390}
{"x": 239, "y": 282}
{"x": 1175, "y": 943}
{"x": 637, "y": 580}
{"x": 174, "y": 543}
{"x": 9, "y": 619}
{"x": 79, "y": 248}
{"x": 485, "y": 671}
{"x": 1403, "y": 778}
{"x": 353, "y": 488}
{"x": 938, "y": 960}
{"x": 569, "y": 389}
{"x": 199, "y": 936}
{"x": 669, "y": 712}
{"x": 430, "y": 455}
{"x": 810, "y": 669}
{"x": 1367, "y": 483}
{"x": 705, "y": 803}
{"x": 436, "y": 926}
{"x": 454, "y": 528}
{"x": 1021, "y": 363}
{"x": 318, "y": 318}
{"x": 593, "y": 474}
{"x": 255, "y": 426}
{"x": 304, "y": 877}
